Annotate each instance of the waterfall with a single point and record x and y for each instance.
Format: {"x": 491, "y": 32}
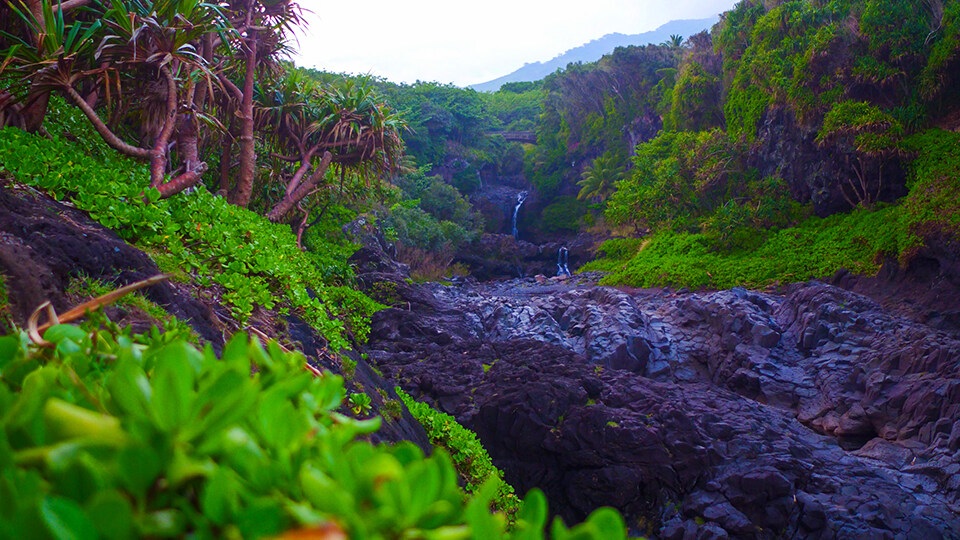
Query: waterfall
{"x": 562, "y": 258}
{"x": 522, "y": 196}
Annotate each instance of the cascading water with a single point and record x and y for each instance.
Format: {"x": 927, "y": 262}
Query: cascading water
{"x": 563, "y": 257}
{"x": 522, "y": 196}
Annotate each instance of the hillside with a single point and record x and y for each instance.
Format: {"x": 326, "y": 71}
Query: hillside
{"x": 592, "y": 51}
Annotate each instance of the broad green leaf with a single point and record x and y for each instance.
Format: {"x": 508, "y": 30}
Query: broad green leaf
{"x": 173, "y": 392}
{"x": 138, "y": 468}
{"x": 65, "y": 520}
{"x": 112, "y": 515}
{"x": 67, "y": 421}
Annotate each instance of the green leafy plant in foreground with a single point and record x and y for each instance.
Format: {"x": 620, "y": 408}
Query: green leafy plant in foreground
{"x": 113, "y": 435}
{"x": 469, "y": 456}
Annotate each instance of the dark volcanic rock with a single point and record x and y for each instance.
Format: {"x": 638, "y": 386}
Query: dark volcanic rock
{"x": 731, "y": 414}
{"x": 44, "y": 244}
{"x": 501, "y": 256}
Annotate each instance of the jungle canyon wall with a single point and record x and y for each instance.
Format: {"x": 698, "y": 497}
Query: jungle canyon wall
{"x": 781, "y": 103}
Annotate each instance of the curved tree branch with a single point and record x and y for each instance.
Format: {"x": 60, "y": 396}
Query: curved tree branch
{"x": 182, "y": 182}
{"x": 288, "y": 202}
{"x": 108, "y": 136}
{"x": 158, "y": 156}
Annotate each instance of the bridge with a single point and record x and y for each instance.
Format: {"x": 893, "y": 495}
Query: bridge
{"x": 527, "y": 137}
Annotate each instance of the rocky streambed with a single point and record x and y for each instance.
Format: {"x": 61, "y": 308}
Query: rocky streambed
{"x": 812, "y": 413}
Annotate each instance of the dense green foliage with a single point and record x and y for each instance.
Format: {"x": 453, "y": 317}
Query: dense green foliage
{"x": 257, "y": 263}
{"x": 590, "y": 109}
{"x": 177, "y": 83}
{"x": 112, "y": 435}
{"x": 449, "y": 129}
{"x": 453, "y": 146}
{"x": 469, "y": 456}
{"x": 816, "y": 248}
{"x": 933, "y": 206}
{"x": 867, "y": 78}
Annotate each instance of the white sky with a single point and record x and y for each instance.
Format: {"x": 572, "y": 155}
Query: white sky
{"x": 470, "y": 42}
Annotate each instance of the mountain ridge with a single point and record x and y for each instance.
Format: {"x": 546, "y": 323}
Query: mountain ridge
{"x": 595, "y": 49}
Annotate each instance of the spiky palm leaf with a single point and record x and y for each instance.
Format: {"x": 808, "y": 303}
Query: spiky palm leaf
{"x": 599, "y": 179}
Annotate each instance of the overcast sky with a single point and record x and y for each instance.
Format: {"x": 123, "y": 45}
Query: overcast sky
{"x": 470, "y": 42}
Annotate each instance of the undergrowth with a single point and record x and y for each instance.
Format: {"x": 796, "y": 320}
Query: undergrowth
{"x": 816, "y": 248}
{"x": 471, "y": 460}
{"x": 87, "y": 288}
{"x": 255, "y": 262}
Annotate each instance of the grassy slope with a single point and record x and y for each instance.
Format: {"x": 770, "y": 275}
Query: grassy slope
{"x": 196, "y": 236}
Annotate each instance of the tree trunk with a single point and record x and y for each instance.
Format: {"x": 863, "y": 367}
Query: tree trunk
{"x": 187, "y": 133}
{"x": 35, "y": 110}
{"x": 244, "y": 189}
{"x": 289, "y": 201}
{"x": 158, "y": 155}
{"x": 182, "y": 182}
{"x": 298, "y": 176}
{"x": 226, "y": 155}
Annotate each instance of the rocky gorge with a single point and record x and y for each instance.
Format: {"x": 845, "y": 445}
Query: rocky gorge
{"x": 813, "y": 411}
{"x": 818, "y": 410}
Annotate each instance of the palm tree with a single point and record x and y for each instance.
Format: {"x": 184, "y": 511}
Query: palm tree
{"x": 674, "y": 42}
{"x": 599, "y": 180}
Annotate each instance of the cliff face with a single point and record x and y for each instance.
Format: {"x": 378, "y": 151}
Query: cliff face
{"x": 820, "y": 96}
{"x": 815, "y": 174}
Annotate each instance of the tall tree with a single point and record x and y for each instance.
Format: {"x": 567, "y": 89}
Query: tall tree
{"x": 314, "y": 127}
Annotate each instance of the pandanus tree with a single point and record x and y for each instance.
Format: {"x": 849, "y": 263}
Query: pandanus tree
{"x": 314, "y": 128}
{"x": 191, "y": 77}
{"x": 260, "y": 29}
{"x": 141, "y": 55}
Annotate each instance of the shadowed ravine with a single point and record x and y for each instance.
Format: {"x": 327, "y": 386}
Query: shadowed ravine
{"x": 815, "y": 413}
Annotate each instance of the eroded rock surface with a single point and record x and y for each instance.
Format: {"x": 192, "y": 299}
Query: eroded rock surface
{"x": 740, "y": 414}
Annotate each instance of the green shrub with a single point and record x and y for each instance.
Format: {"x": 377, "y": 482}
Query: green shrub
{"x": 933, "y": 205}
{"x": 416, "y": 228}
{"x": 469, "y": 456}
{"x": 814, "y": 249}
{"x": 679, "y": 178}
{"x": 565, "y": 214}
{"x": 114, "y": 435}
